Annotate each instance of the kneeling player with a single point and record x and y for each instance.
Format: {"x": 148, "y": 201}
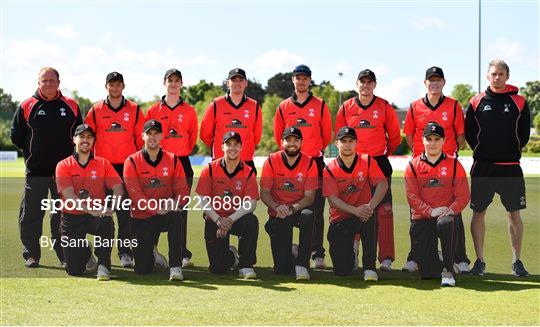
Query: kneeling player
{"x": 153, "y": 175}
{"x": 229, "y": 191}
{"x": 347, "y": 182}
{"x": 437, "y": 191}
{"x": 288, "y": 185}
{"x": 82, "y": 176}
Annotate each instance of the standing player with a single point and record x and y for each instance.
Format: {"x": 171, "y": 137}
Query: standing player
{"x": 437, "y": 191}
{"x": 497, "y": 128}
{"x": 179, "y": 122}
{"x": 288, "y": 185}
{"x": 118, "y": 124}
{"x": 155, "y": 174}
{"x": 447, "y": 112}
{"x": 42, "y": 128}
{"x": 310, "y": 114}
{"x": 348, "y": 181}
{"x": 229, "y": 191}
{"x": 82, "y": 176}
{"x": 377, "y": 127}
{"x": 233, "y": 112}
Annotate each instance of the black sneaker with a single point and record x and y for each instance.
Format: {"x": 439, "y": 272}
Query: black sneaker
{"x": 478, "y": 268}
{"x": 519, "y": 270}
{"x": 31, "y": 263}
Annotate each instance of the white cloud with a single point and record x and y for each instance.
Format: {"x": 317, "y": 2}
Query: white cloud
{"x": 506, "y": 49}
{"x": 64, "y": 31}
{"x": 277, "y": 60}
{"x": 401, "y": 90}
{"x": 423, "y": 23}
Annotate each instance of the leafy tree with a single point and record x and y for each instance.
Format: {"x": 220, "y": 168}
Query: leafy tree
{"x": 462, "y": 93}
{"x": 280, "y": 85}
{"x": 268, "y": 144}
{"x": 196, "y": 93}
{"x": 84, "y": 103}
{"x": 531, "y": 92}
{"x": 7, "y": 105}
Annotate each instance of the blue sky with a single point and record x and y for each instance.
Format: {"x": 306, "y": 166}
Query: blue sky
{"x": 397, "y": 39}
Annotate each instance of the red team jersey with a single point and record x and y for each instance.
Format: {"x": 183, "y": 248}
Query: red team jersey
{"x": 179, "y": 126}
{"x": 447, "y": 113}
{"x": 118, "y": 131}
{"x": 376, "y": 125}
{"x": 223, "y": 116}
{"x": 352, "y": 185}
{"x": 217, "y": 183}
{"x": 88, "y": 181}
{"x": 312, "y": 117}
{"x": 162, "y": 179}
{"x": 429, "y": 186}
{"x": 286, "y": 183}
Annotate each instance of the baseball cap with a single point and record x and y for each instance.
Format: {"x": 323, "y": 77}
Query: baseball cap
{"x": 114, "y": 76}
{"x": 433, "y": 128}
{"x": 346, "y": 131}
{"x": 291, "y": 131}
{"x": 301, "y": 69}
{"x": 434, "y": 71}
{"x": 231, "y": 135}
{"x": 152, "y": 124}
{"x": 367, "y": 73}
{"x": 84, "y": 128}
{"x": 237, "y": 72}
{"x": 172, "y": 71}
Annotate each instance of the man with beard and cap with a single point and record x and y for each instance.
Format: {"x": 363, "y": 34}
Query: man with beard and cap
{"x": 289, "y": 182}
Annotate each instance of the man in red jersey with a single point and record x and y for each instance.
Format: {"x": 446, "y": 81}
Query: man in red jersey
{"x": 179, "y": 122}
{"x": 289, "y": 182}
{"x": 158, "y": 188}
{"x": 377, "y": 127}
{"x": 229, "y": 191}
{"x": 310, "y": 114}
{"x": 447, "y": 112}
{"x": 79, "y": 177}
{"x": 118, "y": 124}
{"x": 233, "y": 112}
{"x": 347, "y": 182}
{"x": 437, "y": 191}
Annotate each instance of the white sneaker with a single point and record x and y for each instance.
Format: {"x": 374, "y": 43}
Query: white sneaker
{"x": 410, "y": 266}
{"x": 301, "y": 273}
{"x": 247, "y": 273}
{"x": 91, "y": 264}
{"x": 236, "y": 258}
{"x": 356, "y": 264}
{"x": 103, "y": 273}
{"x": 294, "y": 250}
{"x": 126, "y": 261}
{"x": 462, "y": 268}
{"x": 370, "y": 276}
{"x": 176, "y": 274}
{"x": 386, "y": 265}
{"x": 186, "y": 263}
{"x": 447, "y": 278}
{"x": 159, "y": 259}
{"x": 318, "y": 263}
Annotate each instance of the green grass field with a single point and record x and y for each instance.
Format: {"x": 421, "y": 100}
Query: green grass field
{"x": 47, "y": 296}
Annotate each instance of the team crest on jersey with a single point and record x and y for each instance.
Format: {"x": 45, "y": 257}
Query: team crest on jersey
{"x": 361, "y": 176}
{"x": 487, "y": 107}
{"x": 41, "y": 113}
{"x": 375, "y": 114}
{"x": 443, "y": 171}
{"x": 506, "y": 107}
{"x": 522, "y": 201}
{"x": 444, "y": 116}
{"x": 62, "y": 111}
{"x": 311, "y": 112}
{"x": 165, "y": 171}
{"x": 299, "y": 177}
{"x": 238, "y": 185}
{"x": 93, "y": 174}
{"x": 246, "y": 113}
{"x": 126, "y": 116}
{"x": 180, "y": 118}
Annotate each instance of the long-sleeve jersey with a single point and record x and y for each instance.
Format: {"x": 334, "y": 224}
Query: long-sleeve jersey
{"x": 312, "y": 117}
{"x": 179, "y": 126}
{"x": 376, "y": 125}
{"x": 497, "y": 125}
{"x": 223, "y": 116}
{"x": 431, "y": 185}
{"x": 118, "y": 130}
{"x": 43, "y": 129}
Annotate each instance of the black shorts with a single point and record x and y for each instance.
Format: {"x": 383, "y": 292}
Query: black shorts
{"x": 488, "y": 178}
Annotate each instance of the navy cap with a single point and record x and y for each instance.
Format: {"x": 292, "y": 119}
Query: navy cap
{"x": 152, "y": 124}
{"x": 231, "y": 135}
{"x": 84, "y": 128}
{"x": 434, "y": 71}
{"x": 237, "y": 72}
{"x": 291, "y": 131}
{"x": 367, "y": 73}
{"x": 346, "y": 132}
{"x": 114, "y": 76}
{"x": 172, "y": 71}
{"x": 433, "y": 128}
{"x": 301, "y": 69}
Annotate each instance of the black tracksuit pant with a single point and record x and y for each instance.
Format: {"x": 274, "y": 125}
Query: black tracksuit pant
{"x": 220, "y": 256}
{"x": 188, "y": 171}
{"x": 36, "y": 188}
{"x": 146, "y": 232}
{"x": 74, "y": 228}
{"x": 426, "y": 233}
{"x": 341, "y": 238}
{"x": 280, "y": 231}
{"x": 122, "y": 217}
{"x": 317, "y": 247}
